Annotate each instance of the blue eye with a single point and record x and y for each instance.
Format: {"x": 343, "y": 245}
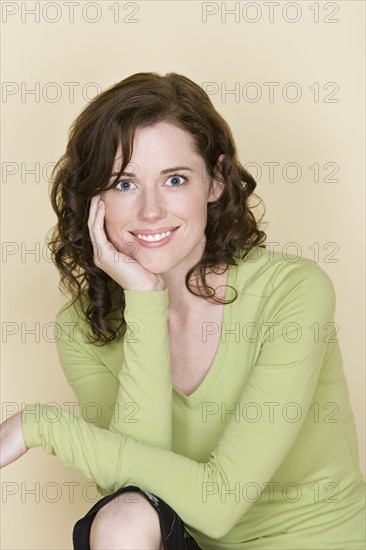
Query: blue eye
{"x": 123, "y": 183}
{"x": 176, "y": 177}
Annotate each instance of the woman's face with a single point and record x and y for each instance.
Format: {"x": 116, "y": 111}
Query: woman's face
{"x": 165, "y": 188}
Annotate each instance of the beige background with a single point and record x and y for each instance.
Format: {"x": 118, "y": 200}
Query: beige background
{"x": 324, "y": 127}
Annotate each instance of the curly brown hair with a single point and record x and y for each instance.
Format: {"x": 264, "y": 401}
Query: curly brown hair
{"x": 110, "y": 119}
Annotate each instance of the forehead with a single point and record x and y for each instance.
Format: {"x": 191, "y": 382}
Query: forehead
{"x": 160, "y": 146}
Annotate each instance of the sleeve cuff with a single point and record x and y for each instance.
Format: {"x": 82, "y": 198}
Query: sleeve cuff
{"x": 146, "y": 298}
{"x": 30, "y": 422}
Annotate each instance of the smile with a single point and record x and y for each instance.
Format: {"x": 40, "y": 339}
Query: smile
{"x": 156, "y": 237}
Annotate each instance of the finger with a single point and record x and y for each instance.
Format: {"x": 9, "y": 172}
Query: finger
{"x": 93, "y": 209}
{"x": 115, "y": 246}
{"x": 91, "y": 219}
{"x": 92, "y": 213}
{"x": 98, "y": 224}
{"x": 102, "y": 245}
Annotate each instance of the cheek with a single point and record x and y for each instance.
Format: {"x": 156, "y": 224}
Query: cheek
{"x": 194, "y": 206}
{"x": 198, "y": 211}
{"x": 113, "y": 220}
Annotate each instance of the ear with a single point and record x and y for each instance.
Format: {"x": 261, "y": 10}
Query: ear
{"x": 216, "y": 186}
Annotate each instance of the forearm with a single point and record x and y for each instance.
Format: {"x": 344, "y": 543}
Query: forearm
{"x": 201, "y": 494}
{"x": 113, "y": 460}
{"x": 143, "y": 408}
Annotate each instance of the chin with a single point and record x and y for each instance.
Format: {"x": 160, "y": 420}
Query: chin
{"x": 158, "y": 266}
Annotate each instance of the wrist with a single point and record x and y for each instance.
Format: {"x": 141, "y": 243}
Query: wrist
{"x": 158, "y": 286}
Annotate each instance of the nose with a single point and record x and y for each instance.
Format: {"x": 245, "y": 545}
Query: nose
{"x": 151, "y": 207}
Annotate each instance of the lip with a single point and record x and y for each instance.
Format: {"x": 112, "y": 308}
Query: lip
{"x": 157, "y": 244}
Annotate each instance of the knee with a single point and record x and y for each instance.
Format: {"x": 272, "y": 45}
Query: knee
{"x": 128, "y": 521}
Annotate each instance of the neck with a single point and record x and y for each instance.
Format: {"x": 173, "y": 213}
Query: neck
{"x": 182, "y": 303}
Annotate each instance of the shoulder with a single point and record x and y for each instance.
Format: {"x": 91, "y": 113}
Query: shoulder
{"x": 264, "y": 272}
{"x": 70, "y": 312}
{"x": 73, "y": 332}
{"x": 71, "y": 323}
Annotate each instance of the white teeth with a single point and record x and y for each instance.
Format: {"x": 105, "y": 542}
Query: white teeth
{"x": 156, "y": 237}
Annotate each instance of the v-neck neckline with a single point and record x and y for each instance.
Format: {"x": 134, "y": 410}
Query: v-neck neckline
{"x": 196, "y": 397}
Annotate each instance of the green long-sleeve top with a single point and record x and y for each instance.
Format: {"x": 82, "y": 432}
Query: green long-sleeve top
{"x": 263, "y": 454}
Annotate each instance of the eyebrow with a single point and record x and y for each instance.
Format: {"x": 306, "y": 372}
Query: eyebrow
{"x": 166, "y": 171}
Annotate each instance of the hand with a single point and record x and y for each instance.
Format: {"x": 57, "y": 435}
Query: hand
{"x": 12, "y": 441}
{"x": 129, "y": 274}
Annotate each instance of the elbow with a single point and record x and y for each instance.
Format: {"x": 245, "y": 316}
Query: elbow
{"x": 217, "y": 526}
{"x": 220, "y": 530}
{"x": 217, "y": 531}
{"x": 221, "y": 508}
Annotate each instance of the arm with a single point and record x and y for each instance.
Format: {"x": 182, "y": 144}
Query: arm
{"x": 137, "y": 401}
{"x": 145, "y": 381}
{"x": 286, "y": 370}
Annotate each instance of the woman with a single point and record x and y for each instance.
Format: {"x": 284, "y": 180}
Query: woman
{"x": 214, "y": 408}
